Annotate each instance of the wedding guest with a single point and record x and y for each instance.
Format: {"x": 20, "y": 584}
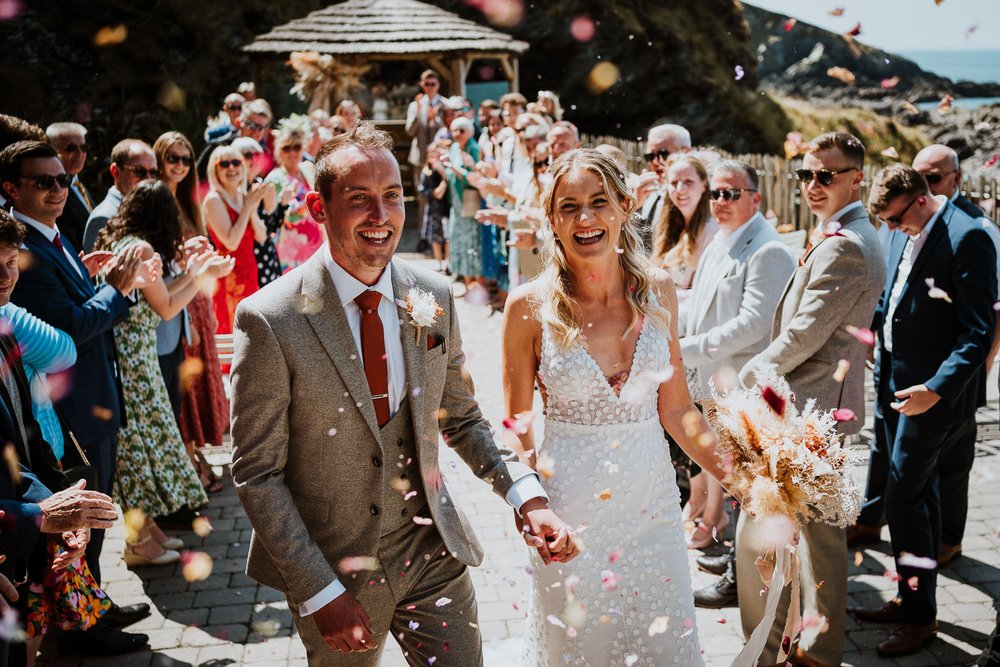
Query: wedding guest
{"x": 932, "y": 351}
{"x": 548, "y": 100}
{"x": 662, "y": 141}
{"x": 464, "y": 233}
{"x": 349, "y": 112}
{"x": 423, "y": 118}
{"x": 230, "y": 213}
{"x": 721, "y": 328}
{"x": 255, "y": 122}
{"x": 70, "y": 139}
{"x": 225, "y": 127}
{"x": 436, "y": 205}
{"x": 155, "y": 474}
{"x": 271, "y": 211}
{"x": 132, "y": 162}
{"x": 836, "y": 285}
{"x": 685, "y": 225}
{"x": 300, "y": 235}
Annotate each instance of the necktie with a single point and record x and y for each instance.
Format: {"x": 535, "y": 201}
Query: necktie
{"x": 83, "y": 194}
{"x": 373, "y": 353}
{"x": 57, "y": 242}
{"x": 805, "y": 253}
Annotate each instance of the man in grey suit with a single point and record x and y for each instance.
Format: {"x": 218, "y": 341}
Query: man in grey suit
{"x": 345, "y": 372}
{"x": 727, "y": 318}
{"x": 837, "y": 286}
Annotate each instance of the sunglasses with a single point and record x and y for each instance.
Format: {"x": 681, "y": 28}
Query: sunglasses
{"x": 541, "y": 163}
{"x": 250, "y": 125}
{"x": 174, "y": 158}
{"x": 432, "y": 82}
{"x": 897, "y": 219}
{"x": 821, "y": 176}
{"x": 291, "y": 148}
{"x": 935, "y": 178}
{"x": 233, "y": 107}
{"x": 76, "y": 148}
{"x": 226, "y": 164}
{"x": 142, "y": 173}
{"x": 663, "y": 154}
{"x": 47, "y": 181}
{"x": 728, "y": 194}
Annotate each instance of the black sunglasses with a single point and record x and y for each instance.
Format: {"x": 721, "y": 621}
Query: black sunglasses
{"x": 663, "y": 154}
{"x": 728, "y": 194}
{"x": 76, "y": 148}
{"x": 226, "y": 164}
{"x": 895, "y": 220}
{"x": 142, "y": 173}
{"x": 541, "y": 163}
{"x": 233, "y": 107}
{"x": 174, "y": 158}
{"x": 250, "y": 125}
{"x": 46, "y": 181}
{"x": 934, "y": 179}
{"x": 291, "y": 148}
{"x": 822, "y": 176}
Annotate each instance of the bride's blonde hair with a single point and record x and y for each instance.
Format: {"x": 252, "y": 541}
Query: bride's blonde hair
{"x": 556, "y": 306}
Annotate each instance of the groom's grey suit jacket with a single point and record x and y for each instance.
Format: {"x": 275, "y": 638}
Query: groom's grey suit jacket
{"x": 305, "y": 435}
{"x": 837, "y": 285}
{"x": 727, "y": 318}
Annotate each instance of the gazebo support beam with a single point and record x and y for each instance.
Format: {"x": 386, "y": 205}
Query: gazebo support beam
{"x": 459, "y": 69}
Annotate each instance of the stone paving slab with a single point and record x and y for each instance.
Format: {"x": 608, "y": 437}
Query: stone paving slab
{"x": 229, "y": 619}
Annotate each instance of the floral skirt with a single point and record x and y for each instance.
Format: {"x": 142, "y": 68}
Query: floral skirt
{"x": 70, "y": 599}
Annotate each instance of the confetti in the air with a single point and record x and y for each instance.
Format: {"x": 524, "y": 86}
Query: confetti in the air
{"x": 520, "y": 422}
{"x": 836, "y": 11}
{"x": 842, "y": 367}
{"x": 920, "y": 562}
{"x": 790, "y": 23}
{"x": 891, "y": 153}
{"x": 658, "y": 626}
{"x": 832, "y": 228}
{"x": 944, "y": 106}
{"x": 196, "y": 565}
{"x": 739, "y": 72}
{"x": 603, "y": 494}
{"x": 609, "y": 580}
{"x": 111, "y": 35}
{"x": 935, "y": 292}
{"x": 582, "y": 29}
{"x": 992, "y": 161}
{"x": 844, "y": 415}
{"x": 912, "y": 582}
{"x": 773, "y": 400}
{"x": 855, "y": 31}
{"x": 442, "y": 602}
{"x": 841, "y": 74}
{"x": 890, "y": 83}
{"x": 862, "y": 334}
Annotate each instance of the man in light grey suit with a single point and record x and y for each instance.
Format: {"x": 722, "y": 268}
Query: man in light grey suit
{"x": 423, "y": 118}
{"x": 345, "y": 372}
{"x": 837, "y": 285}
{"x": 727, "y": 318}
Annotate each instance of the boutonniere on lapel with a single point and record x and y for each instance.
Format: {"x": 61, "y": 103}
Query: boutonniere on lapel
{"x": 422, "y": 308}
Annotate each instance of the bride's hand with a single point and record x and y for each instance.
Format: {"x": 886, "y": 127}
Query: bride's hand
{"x": 546, "y": 532}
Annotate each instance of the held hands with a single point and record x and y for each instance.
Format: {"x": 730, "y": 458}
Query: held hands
{"x": 75, "y": 508}
{"x": 916, "y": 400}
{"x": 345, "y": 625}
{"x": 546, "y": 532}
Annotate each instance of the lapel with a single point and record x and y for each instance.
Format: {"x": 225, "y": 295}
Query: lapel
{"x": 897, "y": 243}
{"x": 414, "y": 345}
{"x": 940, "y": 231}
{"x": 330, "y": 325}
{"x": 41, "y": 246}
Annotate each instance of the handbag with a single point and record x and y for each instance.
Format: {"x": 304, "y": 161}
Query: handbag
{"x": 471, "y": 201}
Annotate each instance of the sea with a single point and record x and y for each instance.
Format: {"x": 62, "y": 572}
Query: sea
{"x": 979, "y": 66}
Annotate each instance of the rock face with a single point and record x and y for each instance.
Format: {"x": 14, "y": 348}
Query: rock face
{"x": 796, "y": 61}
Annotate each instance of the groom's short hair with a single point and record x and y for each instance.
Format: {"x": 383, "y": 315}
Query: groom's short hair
{"x": 364, "y": 136}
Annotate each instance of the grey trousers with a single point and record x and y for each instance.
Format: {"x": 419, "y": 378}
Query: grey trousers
{"x": 402, "y": 598}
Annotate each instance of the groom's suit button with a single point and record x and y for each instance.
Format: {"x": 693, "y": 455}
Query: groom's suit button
{"x": 399, "y": 443}
{"x": 374, "y": 510}
{"x": 405, "y": 512}
{"x": 377, "y": 462}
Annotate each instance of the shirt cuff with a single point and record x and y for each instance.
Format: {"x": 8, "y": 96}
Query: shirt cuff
{"x": 333, "y": 591}
{"x": 525, "y": 489}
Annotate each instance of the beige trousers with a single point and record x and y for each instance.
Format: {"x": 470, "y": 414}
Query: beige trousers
{"x": 401, "y": 598}
{"x": 823, "y": 553}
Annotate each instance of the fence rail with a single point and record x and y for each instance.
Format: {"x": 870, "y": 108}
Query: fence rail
{"x": 780, "y": 189}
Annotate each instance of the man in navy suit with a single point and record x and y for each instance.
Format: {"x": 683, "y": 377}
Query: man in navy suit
{"x": 55, "y": 286}
{"x": 935, "y": 322}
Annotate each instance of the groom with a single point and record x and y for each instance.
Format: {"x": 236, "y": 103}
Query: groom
{"x": 338, "y": 400}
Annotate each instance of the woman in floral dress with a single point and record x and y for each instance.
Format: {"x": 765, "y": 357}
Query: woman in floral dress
{"x": 154, "y": 473}
{"x": 300, "y": 236}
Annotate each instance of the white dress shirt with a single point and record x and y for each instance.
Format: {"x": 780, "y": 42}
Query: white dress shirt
{"x": 50, "y": 234}
{"x": 348, "y": 288}
{"x": 910, "y": 252}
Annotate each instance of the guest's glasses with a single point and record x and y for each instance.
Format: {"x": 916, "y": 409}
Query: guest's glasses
{"x": 662, "y": 154}
{"x": 226, "y": 164}
{"x": 174, "y": 158}
{"x": 76, "y": 148}
{"x": 897, "y": 219}
{"x": 291, "y": 148}
{"x": 728, "y": 194}
{"x": 935, "y": 178}
{"x": 142, "y": 173}
{"x": 48, "y": 181}
{"x": 250, "y": 125}
{"x": 821, "y": 176}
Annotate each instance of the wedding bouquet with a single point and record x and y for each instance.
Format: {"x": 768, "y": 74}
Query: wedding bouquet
{"x": 785, "y": 462}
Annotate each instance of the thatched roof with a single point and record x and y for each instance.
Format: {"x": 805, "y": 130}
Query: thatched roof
{"x": 383, "y": 27}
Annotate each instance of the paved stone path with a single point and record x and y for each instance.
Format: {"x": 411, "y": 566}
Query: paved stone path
{"x": 230, "y": 619}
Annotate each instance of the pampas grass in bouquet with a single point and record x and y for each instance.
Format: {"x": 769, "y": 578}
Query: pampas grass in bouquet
{"x": 784, "y": 462}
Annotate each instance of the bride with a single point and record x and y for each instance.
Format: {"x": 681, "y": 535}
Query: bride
{"x": 597, "y": 331}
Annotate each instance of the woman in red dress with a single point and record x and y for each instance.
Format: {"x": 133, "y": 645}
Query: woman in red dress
{"x": 230, "y": 213}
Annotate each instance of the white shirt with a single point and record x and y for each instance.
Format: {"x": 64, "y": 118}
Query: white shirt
{"x": 349, "y": 287}
{"x": 910, "y": 252}
{"x": 50, "y": 234}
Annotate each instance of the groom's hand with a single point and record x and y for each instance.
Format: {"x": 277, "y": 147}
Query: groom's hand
{"x": 345, "y": 625}
{"x": 546, "y": 532}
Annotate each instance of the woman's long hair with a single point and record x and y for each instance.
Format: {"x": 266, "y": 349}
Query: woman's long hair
{"x": 150, "y": 213}
{"x": 557, "y": 306}
{"x": 188, "y": 190}
{"x": 670, "y": 231}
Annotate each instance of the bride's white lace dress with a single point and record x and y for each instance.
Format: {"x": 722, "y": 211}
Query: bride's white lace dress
{"x": 626, "y": 600}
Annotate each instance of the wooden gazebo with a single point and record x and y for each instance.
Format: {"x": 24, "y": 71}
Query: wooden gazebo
{"x": 359, "y": 32}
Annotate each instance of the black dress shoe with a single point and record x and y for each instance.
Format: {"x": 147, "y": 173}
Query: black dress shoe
{"x": 120, "y": 617}
{"x": 101, "y": 640}
{"x": 179, "y": 520}
{"x": 722, "y": 593}
{"x": 713, "y": 564}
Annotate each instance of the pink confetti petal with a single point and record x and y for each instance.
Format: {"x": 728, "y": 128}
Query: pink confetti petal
{"x": 790, "y": 23}
{"x": 919, "y": 562}
{"x": 844, "y": 415}
{"x": 863, "y": 335}
{"x": 773, "y": 400}
{"x": 913, "y": 582}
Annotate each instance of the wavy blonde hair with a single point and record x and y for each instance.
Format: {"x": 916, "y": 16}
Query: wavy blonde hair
{"x": 557, "y": 307}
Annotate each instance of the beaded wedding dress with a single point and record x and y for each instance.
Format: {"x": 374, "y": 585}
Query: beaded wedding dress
{"x": 627, "y": 599}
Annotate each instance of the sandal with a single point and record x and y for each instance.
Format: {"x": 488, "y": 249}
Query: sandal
{"x": 209, "y": 480}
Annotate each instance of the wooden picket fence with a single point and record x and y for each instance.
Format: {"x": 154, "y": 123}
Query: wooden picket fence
{"x": 780, "y": 189}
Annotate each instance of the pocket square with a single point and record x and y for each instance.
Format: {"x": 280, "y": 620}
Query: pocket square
{"x": 435, "y": 341}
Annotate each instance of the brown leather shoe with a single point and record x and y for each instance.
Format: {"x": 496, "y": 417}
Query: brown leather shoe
{"x": 801, "y": 659}
{"x": 890, "y": 612}
{"x": 948, "y": 553}
{"x": 907, "y": 639}
{"x": 861, "y": 533}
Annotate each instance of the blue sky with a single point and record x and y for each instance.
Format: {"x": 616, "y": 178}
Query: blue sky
{"x": 903, "y": 25}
